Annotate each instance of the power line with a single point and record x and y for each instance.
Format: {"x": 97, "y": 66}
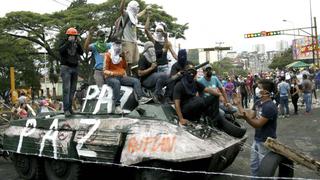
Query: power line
{"x": 60, "y": 3}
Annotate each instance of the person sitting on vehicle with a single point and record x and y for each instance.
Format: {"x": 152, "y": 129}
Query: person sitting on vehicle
{"x": 98, "y": 49}
{"x": 148, "y": 74}
{"x": 176, "y": 71}
{"x": 161, "y": 43}
{"x": 44, "y": 106}
{"x": 263, "y": 119}
{"x": 115, "y": 73}
{"x": 188, "y": 104}
{"x": 210, "y": 80}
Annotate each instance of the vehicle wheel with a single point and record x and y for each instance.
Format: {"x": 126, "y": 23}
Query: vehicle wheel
{"x": 233, "y": 127}
{"x": 61, "y": 170}
{"x": 271, "y": 162}
{"x": 28, "y": 167}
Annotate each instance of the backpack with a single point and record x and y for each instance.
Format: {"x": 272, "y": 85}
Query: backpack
{"x": 117, "y": 31}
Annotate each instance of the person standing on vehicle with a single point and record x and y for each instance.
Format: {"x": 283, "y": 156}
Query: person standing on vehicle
{"x": 264, "y": 120}
{"x": 147, "y": 71}
{"x": 70, "y": 51}
{"x": 129, "y": 39}
{"x": 161, "y": 43}
{"x": 98, "y": 49}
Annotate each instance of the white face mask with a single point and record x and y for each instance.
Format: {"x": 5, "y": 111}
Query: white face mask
{"x": 115, "y": 53}
{"x": 150, "y": 55}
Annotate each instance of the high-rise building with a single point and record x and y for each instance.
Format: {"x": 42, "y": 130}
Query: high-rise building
{"x": 259, "y": 48}
{"x": 282, "y": 45}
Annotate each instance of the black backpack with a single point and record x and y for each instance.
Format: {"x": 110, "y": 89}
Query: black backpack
{"x": 117, "y": 31}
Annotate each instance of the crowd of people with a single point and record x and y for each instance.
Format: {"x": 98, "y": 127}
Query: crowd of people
{"x": 210, "y": 95}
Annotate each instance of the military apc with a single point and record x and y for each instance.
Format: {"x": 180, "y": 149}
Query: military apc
{"x": 55, "y": 147}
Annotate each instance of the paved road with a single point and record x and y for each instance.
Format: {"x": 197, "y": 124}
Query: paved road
{"x": 300, "y": 132}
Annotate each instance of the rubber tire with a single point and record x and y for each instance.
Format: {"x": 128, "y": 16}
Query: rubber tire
{"x": 271, "y": 162}
{"x": 71, "y": 171}
{"x": 33, "y": 167}
{"x": 233, "y": 127}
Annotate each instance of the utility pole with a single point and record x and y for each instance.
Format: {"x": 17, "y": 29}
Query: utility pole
{"x": 312, "y": 37}
{"x": 316, "y": 47}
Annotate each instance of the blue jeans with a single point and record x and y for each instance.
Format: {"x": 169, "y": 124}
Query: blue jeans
{"x": 156, "y": 80}
{"x": 307, "y": 97}
{"x": 69, "y": 77}
{"x": 116, "y": 82}
{"x": 258, "y": 151}
{"x": 284, "y": 103}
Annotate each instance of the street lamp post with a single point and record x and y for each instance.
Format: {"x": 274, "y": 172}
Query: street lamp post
{"x": 293, "y": 26}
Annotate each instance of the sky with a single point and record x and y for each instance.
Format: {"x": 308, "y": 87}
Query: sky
{"x": 212, "y": 21}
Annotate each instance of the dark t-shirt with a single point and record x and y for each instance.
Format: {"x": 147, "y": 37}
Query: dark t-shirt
{"x": 143, "y": 64}
{"x": 268, "y": 110}
{"x": 176, "y": 68}
{"x": 161, "y": 56}
{"x": 180, "y": 92}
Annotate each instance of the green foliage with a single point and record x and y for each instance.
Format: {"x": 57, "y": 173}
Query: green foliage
{"x": 225, "y": 68}
{"x": 281, "y": 61}
{"x": 48, "y": 30}
{"x": 21, "y": 55}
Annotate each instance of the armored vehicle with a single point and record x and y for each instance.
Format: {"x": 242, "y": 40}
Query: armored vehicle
{"x": 148, "y": 135}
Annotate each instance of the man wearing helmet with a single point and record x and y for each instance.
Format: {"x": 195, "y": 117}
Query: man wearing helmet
{"x": 98, "y": 49}
{"x": 129, "y": 38}
{"x": 70, "y": 51}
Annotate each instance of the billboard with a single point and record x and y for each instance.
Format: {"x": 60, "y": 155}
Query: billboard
{"x": 302, "y": 48}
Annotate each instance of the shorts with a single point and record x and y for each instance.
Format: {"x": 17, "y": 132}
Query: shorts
{"x": 132, "y": 57}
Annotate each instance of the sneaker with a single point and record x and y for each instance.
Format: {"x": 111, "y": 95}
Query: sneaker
{"x": 118, "y": 110}
{"x": 286, "y": 116}
{"x": 67, "y": 114}
{"x": 144, "y": 100}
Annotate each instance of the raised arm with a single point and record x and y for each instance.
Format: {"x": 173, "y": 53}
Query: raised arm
{"x": 146, "y": 29}
{"x": 122, "y": 6}
{"x": 88, "y": 41}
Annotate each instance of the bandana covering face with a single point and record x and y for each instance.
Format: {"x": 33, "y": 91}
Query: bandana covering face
{"x": 149, "y": 52}
{"x": 101, "y": 46}
{"x": 115, "y": 53}
{"x": 133, "y": 10}
{"x": 158, "y": 35}
{"x": 182, "y": 57}
{"x": 188, "y": 83}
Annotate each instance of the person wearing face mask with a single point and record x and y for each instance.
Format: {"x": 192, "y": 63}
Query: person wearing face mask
{"x": 147, "y": 71}
{"x": 210, "y": 80}
{"x": 263, "y": 119}
{"x": 161, "y": 43}
{"x": 188, "y": 104}
{"x": 129, "y": 38}
{"x": 98, "y": 49}
{"x": 115, "y": 73}
{"x": 70, "y": 51}
{"x": 176, "y": 72}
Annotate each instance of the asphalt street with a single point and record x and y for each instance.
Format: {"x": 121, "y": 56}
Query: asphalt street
{"x": 301, "y": 132}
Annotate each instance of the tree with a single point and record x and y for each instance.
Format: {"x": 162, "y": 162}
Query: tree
{"x": 47, "y": 30}
{"x": 21, "y": 55}
{"x": 281, "y": 61}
